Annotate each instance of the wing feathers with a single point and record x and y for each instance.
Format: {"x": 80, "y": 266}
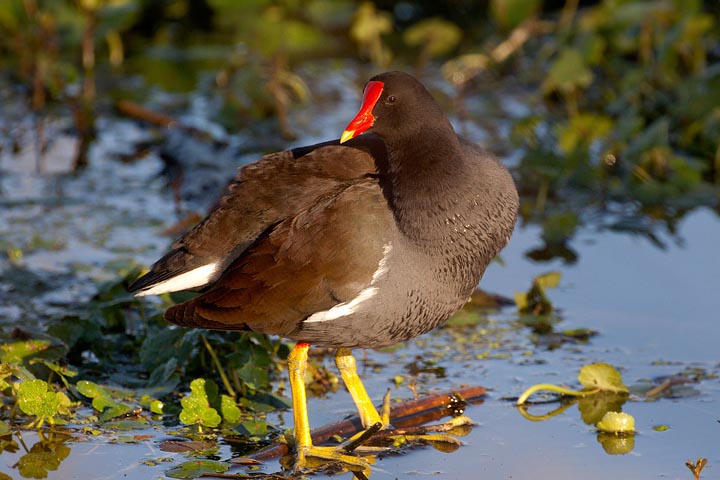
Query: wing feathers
{"x": 272, "y": 190}
{"x": 324, "y": 256}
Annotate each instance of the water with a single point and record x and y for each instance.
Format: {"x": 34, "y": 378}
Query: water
{"x": 655, "y": 310}
{"x": 655, "y": 313}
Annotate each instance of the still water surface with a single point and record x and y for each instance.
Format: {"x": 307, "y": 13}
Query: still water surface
{"x": 656, "y": 312}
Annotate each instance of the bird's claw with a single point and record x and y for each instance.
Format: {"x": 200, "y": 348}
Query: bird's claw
{"x": 314, "y": 457}
{"x": 438, "y": 435}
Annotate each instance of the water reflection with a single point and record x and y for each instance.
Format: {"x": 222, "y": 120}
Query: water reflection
{"x": 44, "y": 456}
{"x": 592, "y": 409}
{"x": 616, "y": 444}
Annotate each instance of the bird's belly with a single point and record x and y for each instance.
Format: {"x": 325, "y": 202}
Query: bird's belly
{"x": 388, "y": 316}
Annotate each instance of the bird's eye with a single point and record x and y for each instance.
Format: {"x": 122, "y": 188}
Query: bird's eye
{"x": 391, "y": 99}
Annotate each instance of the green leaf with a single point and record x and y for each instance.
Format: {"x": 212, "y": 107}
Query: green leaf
{"x": 267, "y": 403}
{"x": 252, "y": 364}
{"x": 4, "y": 428}
{"x": 256, "y": 377}
{"x": 521, "y": 300}
{"x": 72, "y": 331}
{"x": 34, "y": 398}
{"x": 535, "y": 301}
{"x": 17, "y": 351}
{"x": 10, "y": 446}
{"x": 594, "y": 407}
{"x": 592, "y": 48}
{"x": 614, "y": 444}
{"x": 42, "y": 458}
{"x": 168, "y": 344}
{"x": 6, "y": 370}
{"x": 253, "y": 428}
{"x": 196, "y": 468}
{"x": 548, "y": 280}
{"x": 102, "y": 400}
{"x": 567, "y": 73}
{"x": 435, "y": 35}
{"x": 20, "y": 372}
{"x": 230, "y": 411}
{"x": 581, "y": 130}
{"x": 511, "y": 13}
{"x": 558, "y": 228}
{"x": 196, "y": 409}
{"x": 165, "y": 377}
{"x": 114, "y": 411}
{"x": 11, "y": 13}
{"x": 127, "y": 425}
{"x": 156, "y": 406}
{"x": 617, "y": 422}
{"x": 64, "y": 404}
{"x": 370, "y": 23}
{"x": 368, "y": 27}
{"x": 602, "y": 376}
{"x": 87, "y": 388}
{"x": 64, "y": 371}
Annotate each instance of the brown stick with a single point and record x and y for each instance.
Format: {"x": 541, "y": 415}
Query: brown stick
{"x": 133, "y": 110}
{"x": 138, "y": 112}
{"x": 403, "y": 415}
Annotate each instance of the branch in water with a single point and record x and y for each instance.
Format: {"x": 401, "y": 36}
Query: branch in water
{"x": 407, "y": 415}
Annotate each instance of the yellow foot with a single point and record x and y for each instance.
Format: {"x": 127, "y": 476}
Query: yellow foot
{"x": 311, "y": 458}
{"x": 442, "y": 436}
{"x": 442, "y": 441}
{"x": 314, "y": 457}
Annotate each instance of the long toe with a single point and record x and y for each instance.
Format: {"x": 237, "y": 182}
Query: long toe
{"x": 313, "y": 458}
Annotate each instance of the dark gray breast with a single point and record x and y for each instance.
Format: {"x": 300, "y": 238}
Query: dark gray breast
{"x": 433, "y": 260}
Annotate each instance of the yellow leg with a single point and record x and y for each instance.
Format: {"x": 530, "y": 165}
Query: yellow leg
{"x": 347, "y": 366}
{"x": 369, "y": 415}
{"x": 297, "y": 362}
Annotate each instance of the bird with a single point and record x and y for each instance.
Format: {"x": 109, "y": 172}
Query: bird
{"x": 359, "y": 242}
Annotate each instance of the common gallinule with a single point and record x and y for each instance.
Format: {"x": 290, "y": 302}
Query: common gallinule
{"x": 364, "y": 241}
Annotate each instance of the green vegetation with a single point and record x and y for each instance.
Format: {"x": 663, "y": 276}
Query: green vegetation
{"x": 535, "y": 301}
{"x": 196, "y": 468}
{"x": 599, "y": 403}
{"x": 629, "y": 110}
{"x": 130, "y": 368}
{"x": 595, "y": 378}
{"x": 621, "y": 129}
{"x": 624, "y": 93}
{"x": 617, "y": 423}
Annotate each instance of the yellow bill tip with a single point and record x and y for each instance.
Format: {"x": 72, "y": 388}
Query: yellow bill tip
{"x": 347, "y": 135}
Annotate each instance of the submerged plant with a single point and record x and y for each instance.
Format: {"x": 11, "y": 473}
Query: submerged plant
{"x": 599, "y": 403}
{"x": 596, "y": 378}
{"x": 535, "y": 301}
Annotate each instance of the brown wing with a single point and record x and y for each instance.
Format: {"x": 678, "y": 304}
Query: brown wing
{"x": 267, "y": 192}
{"x": 323, "y": 256}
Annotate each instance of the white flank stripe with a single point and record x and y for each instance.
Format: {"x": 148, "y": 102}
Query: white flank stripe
{"x": 194, "y": 278}
{"x": 347, "y": 308}
{"x": 343, "y": 309}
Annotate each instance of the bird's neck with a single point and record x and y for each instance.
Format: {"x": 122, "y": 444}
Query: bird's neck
{"x": 425, "y": 183}
{"x": 426, "y": 158}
